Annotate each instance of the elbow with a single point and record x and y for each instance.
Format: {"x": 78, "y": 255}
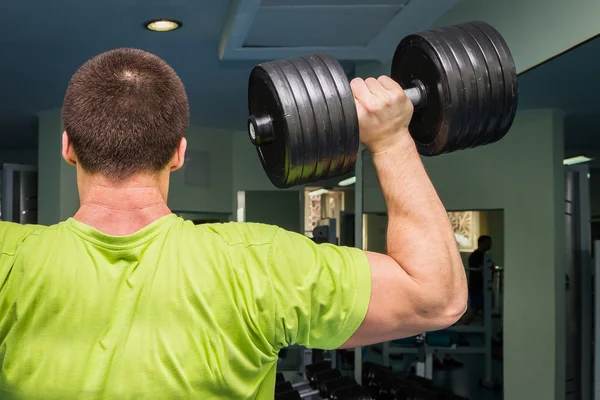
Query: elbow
{"x": 455, "y": 308}
{"x": 448, "y": 305}
{"x": 447, "y": 313}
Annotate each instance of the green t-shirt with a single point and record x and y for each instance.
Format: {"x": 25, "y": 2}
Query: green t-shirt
{"x": 174, "y": 311}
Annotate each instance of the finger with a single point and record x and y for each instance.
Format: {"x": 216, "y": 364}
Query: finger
{"x": 360, "y": 89}
{"x": 360, "y": 111}
{"x": 388, "y": 83}
{"x": 363, "y": 95}
{"x": 376, "y": 88}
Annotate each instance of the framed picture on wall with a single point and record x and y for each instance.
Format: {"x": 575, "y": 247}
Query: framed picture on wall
{"x": 465, "y": 225}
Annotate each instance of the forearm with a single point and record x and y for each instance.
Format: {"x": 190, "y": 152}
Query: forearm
{"x": 419, "y": 236}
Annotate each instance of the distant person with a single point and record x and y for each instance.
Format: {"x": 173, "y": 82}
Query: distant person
{"x": 476, "y": 280}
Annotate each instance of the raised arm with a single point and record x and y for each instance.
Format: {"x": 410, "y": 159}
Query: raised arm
{"x": 420, "y": 285}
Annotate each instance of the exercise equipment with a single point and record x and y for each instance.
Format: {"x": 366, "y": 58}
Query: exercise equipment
{"x": 323, "y": 381}
{"x": 303, "y": 121}
{"x": 385, "y": 384}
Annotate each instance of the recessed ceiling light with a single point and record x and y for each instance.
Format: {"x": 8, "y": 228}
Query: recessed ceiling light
{"x": 163, "y": 25}
{"x": 576, "y": 160}
{"x": 348, "y": 182}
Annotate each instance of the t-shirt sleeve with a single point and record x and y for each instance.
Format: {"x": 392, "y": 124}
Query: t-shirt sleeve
{"x": 11, "y": 236}
{"x": 321, "y": 293}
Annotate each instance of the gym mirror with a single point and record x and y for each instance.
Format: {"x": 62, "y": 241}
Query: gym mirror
{"x": 472, "y": 182}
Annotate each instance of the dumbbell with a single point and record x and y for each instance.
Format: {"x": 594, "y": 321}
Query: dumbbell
{"x": 328, "y": 384}
{"x": 309, "y": 387}
{"x": 314, "y": 372}
{"x": 303, "y": 121}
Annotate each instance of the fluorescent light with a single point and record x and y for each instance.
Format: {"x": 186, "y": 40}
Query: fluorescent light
{"x": 318, "y": 192}
{"x": 348, "y": 182}
{"x": 576, "y": 160}
{"x": 162, "y": 25}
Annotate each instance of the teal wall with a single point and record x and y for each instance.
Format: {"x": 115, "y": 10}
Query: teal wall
{"x": 216, "y": 196}
{"x": 281, "y": 208}
{"x": 522, "y": 175}
{"x": 535, "y": 30}
{"x": 57, "y": 184}
{"x": 19, "y": 156}
{"x": 248, "y": 173}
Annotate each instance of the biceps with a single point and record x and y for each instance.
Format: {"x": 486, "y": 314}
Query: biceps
{"x": 395, "y": 308}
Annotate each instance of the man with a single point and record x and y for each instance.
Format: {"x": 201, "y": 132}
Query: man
{"x": 476, "y": 280}
{"x": 127, "y": 301}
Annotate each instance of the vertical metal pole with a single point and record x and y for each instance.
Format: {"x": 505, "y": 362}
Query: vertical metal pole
{"x": 585, "y": 284}
{"x": 385, "y": 353}
{"x": 488, "y": 266}
{"x": 240, "y": 206}
{"x": 358, "y": 242}
{"x": 597, "y": 320}
{"x": 7, "y": 193}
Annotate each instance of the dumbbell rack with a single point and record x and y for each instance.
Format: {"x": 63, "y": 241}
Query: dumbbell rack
{"x": 486, "y": 329}
{"x": 383, "y": 383}
{"x": 322, "y": 382}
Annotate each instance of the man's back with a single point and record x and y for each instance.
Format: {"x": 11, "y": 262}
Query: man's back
{"x": 172, "y": 311}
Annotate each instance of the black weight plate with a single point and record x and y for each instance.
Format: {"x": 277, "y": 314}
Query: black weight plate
{"x": 269, "y": 94}
{"x": 468, "y": 85}
{"x": 351, "y": 132}
{"x": 320, "y": 115}
{"x": 449, "y": 78}
{"x": 336, "y": 114}
{"x": 308, "y": 128}
{"x": 415, "y": 58}
{"x": 483, "y": 85}
{"x": 454, "y": 79}
{"x": 509, "y": 69}
{"x": 496, "y": 81}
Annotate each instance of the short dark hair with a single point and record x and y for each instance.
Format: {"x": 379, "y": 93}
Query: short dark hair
{"x": 125, "y": 112}
{"x": 484, "y": 239}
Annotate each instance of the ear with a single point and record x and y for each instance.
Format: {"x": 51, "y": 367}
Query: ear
{"x": 179, "y": 157}
{"x": 67, "y": 150}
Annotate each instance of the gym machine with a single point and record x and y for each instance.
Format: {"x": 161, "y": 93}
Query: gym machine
{"x": 384, "y": 384}
{"x": 322, "y": 382}
{"x": 19, "y": 193}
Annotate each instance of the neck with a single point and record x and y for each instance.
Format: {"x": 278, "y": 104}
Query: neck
{"x": 123, "y": 208}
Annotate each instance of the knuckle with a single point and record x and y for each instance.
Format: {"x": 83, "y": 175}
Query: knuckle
{"x": 371, "y": 106}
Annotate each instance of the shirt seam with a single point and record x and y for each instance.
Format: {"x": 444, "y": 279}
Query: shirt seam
{"x": 273, "y": 299}
{"x": 117, "y": 247}
{"x": 36, "y": 232}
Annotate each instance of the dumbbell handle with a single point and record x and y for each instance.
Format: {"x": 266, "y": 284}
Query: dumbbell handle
{"x": 417, "y": 94}
{"x": 260, "y": 127}
{"x": 309, "y": 394}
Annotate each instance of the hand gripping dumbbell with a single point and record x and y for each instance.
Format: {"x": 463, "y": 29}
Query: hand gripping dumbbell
{"x": 303, "y": 121}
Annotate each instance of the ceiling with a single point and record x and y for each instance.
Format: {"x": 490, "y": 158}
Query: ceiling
{"x": 569, "y": 82}
{"x": 43, "y": 42}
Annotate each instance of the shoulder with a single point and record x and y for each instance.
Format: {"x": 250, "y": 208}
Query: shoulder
{"x": 476, "y": 255}
{"x": 13, "y": 234}
{"x": 242, "y": 233}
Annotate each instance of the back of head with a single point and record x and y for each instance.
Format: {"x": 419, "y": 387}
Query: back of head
{"x": 125, "y": 112}
{"x": 484, "y": 242}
